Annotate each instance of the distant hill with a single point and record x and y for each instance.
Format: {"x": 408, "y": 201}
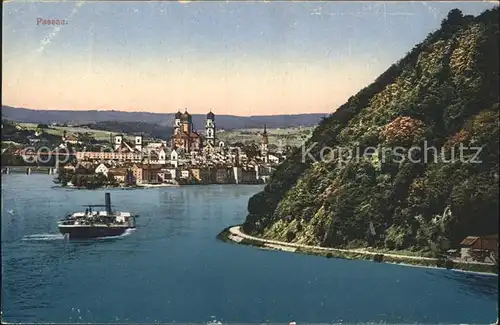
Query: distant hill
{"x": 165, "y": 119}
{"x": 149, "y": 130}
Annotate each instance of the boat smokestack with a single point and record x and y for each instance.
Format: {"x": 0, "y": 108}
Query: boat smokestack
{"x": 108, "y": 202}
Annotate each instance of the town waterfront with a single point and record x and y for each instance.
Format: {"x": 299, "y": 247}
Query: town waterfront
{"x": 173, "y": 269}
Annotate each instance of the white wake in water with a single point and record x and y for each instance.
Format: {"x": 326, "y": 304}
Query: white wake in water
{"x": 126, "y": 233}
{"x": 42, "y": 237}
{"x": 46, "y": 236}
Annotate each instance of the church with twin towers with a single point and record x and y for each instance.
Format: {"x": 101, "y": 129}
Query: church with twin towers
{"x": 185, "y": 137}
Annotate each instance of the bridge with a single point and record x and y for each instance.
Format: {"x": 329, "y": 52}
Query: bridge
{"x": 31, "y": 156}
{"x": 28, "y": 170}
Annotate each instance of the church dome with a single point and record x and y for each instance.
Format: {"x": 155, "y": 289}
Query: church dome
{"x": 186, "y": 116}
{"x": 210, "y": 116}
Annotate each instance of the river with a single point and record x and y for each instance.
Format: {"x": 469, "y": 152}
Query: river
{"x": 173, "y": 269}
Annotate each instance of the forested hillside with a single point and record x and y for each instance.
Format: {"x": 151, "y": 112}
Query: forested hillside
{"x": 442, "y": 94}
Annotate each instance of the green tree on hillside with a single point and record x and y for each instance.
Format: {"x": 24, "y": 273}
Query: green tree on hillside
{"x": 443, "y": 94}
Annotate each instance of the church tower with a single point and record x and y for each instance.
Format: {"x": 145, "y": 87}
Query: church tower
{"x": 138, "y": 143}
{"x": 210, "y": 129}
{"x": 177, "y": 122}
{"x": 187, "y": 122}
{"x": 264, "y": 150}
{"x": 118, "y": 141}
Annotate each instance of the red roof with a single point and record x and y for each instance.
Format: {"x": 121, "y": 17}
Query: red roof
{"x": 484, "y": 242}
{"x": 119, "y": 173}
{"x": 118, "y": 170}
{"x": 125, "y": 147}
{"x": 150, "y": 167}
{"x": 184, "y": 134}
{"x": 468, "y": 241}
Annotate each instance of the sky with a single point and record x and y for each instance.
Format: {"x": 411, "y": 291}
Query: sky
{"x": 246, "y": 58}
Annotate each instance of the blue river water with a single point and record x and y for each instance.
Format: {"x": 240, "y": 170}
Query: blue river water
{"x": 173, "y": 269}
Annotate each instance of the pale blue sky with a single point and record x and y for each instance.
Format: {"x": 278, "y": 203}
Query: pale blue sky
{"x": 235, "y": 58}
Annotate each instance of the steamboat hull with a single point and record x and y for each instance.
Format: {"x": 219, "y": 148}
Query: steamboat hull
{"x": 92, "y": 231}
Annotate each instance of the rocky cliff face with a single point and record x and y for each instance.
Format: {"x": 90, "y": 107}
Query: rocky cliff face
{"x": 440, "y": 101}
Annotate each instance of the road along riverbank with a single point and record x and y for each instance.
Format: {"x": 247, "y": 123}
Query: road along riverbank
{"x": 236, "y": 235}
